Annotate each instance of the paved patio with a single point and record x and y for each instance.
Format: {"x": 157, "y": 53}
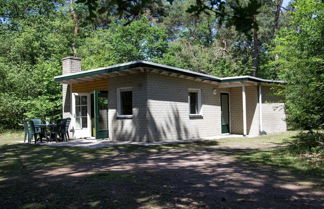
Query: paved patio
{"x": 99, "y": 143}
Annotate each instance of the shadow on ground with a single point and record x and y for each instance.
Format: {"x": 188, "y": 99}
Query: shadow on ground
{"x": 195, "y": 175}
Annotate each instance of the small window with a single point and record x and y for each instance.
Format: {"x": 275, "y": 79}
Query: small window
{"x": 194, "y": 102}
{"x": 125, "y": 102}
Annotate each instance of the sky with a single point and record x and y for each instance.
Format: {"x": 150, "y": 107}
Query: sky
{"x": 285, "y": 3}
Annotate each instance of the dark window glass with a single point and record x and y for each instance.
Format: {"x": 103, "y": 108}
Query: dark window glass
{"x": 84, "y": 122}
{"x": 193, "y": 100}
{"x": 126, "y": 103}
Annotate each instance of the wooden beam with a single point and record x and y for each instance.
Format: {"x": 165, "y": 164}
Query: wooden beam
{"x": 164, "y": 73}
{"x": 133, "y": 71}
{"x": 155, "y": 71}
{"x": 181, "y": 76}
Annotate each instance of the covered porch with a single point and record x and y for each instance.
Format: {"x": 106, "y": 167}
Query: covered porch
{"x": 89, "y": 108}
{"x": 86, "y": 99}
{"x": 241, "y": 107}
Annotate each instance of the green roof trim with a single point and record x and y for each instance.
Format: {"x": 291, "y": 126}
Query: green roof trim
{"x": 155, "y": 66}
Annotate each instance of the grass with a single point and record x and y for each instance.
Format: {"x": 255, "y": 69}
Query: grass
{"x": 11, "y": 137}
{"x": 26, "y": 180}
{"x": 301, "y": 153}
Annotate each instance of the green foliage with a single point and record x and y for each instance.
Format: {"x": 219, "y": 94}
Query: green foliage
{"x": 213, "y": 60}
{"x": 140, "y": 40}
{"x": 38, "y": 34}
{"x": 37, "y": 37}
{"x": 300, "y": 62}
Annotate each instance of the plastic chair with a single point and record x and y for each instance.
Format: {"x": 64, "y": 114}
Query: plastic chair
{"x": 66, "y": 128}
{"x": 36, "y": 131}
{"x": 27, "y": 132}
{"x": 62, "y": 129}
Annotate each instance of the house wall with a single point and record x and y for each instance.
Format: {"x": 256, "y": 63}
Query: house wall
{"x": 236, "y": 110}
{"x": 66, "y": 100}
{"x": 161, "y": 109}
{"x": 252, "y": 110}
{"x": 133, "y": 129}
{"x": 168, "y": 109}
{"x": 273, "y": 112}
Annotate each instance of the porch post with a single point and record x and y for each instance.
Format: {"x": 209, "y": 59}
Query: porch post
{"x": 260, "y": 109}
{"x": 244, "y": 109}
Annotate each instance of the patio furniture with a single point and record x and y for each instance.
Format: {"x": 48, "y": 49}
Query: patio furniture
{"x": 62, "y": 129}
{"x": 66, "y": 128}
{"x": 47, "y": 130}
{"x": 36, "y": 130}
{"x": 27, "y": 132}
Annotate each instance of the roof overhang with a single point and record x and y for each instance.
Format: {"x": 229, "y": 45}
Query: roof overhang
{"x": 141, "y": 66}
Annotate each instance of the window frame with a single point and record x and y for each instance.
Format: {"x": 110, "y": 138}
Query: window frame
{"x": 80, "y": 105}
{"x": 119, "y": 91}
{"x": 199, "y": 104}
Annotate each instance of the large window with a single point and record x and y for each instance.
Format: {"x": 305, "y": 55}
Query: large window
{"x": 194, "y": 101}
{"x": 125, "y": 102}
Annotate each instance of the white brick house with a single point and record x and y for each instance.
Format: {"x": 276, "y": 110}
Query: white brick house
{"x": 144, "y": 101}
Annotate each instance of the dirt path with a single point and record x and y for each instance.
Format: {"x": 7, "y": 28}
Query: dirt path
{"x": 181, "y": 178}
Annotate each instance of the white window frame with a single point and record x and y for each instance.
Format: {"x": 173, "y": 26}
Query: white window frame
{"x": 198, "y": 91}
{"x": 119, "y": 90}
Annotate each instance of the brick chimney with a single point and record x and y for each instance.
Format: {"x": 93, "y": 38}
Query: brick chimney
{"x": 69, "y": 65}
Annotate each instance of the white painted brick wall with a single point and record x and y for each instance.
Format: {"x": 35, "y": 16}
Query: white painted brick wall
{"x": 274, "y": 117}
{"x": 128, "y": 129}
{"x": 168, "y": 113}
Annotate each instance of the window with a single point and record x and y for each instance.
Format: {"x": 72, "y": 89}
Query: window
{"x": 81, "y": 111}
{"x": 194, "y": 101}
{"x": 125, "y": 102}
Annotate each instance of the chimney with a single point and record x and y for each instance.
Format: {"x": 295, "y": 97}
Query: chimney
{"x": 71, "y": 64}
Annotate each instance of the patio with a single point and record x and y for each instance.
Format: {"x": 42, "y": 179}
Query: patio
{"x": 99, "y": 143}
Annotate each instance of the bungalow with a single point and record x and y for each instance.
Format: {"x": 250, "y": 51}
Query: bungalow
{"x": 144, "y": 101}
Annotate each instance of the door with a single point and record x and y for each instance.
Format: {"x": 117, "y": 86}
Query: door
{"x": 101, "y": 114}
{"x": 81, "y": 115}
{"x": 225, "y": 112}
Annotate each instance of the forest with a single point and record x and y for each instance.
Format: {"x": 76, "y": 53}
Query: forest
{"x": 258, "y": 38}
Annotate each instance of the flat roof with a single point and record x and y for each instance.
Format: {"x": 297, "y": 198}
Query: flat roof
{"x": 151, "y": 65}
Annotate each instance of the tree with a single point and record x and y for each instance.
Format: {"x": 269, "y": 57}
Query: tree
{"x": 299, "y": 59}
{"x": 140, "y": 40}
{"x": 37, "y": 34}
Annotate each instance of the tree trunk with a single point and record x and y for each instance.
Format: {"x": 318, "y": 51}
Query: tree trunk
{"x": 278, "y": 5}
{"x": 76, "y": 27}
{"x": 255, "y": 50}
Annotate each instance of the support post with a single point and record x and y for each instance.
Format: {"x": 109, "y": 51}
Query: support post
{"x": 244, "y": 109}
{"x": 260, "y": 110}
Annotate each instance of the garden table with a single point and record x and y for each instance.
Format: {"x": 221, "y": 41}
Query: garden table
{"x": 45, "y": 128}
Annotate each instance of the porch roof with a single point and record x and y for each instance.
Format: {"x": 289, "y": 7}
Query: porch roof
{"x": 154, "y": 66}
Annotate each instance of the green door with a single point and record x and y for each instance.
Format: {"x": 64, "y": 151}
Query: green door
{"x": 101, "y": 114}
{"x": 225, "y": 112}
